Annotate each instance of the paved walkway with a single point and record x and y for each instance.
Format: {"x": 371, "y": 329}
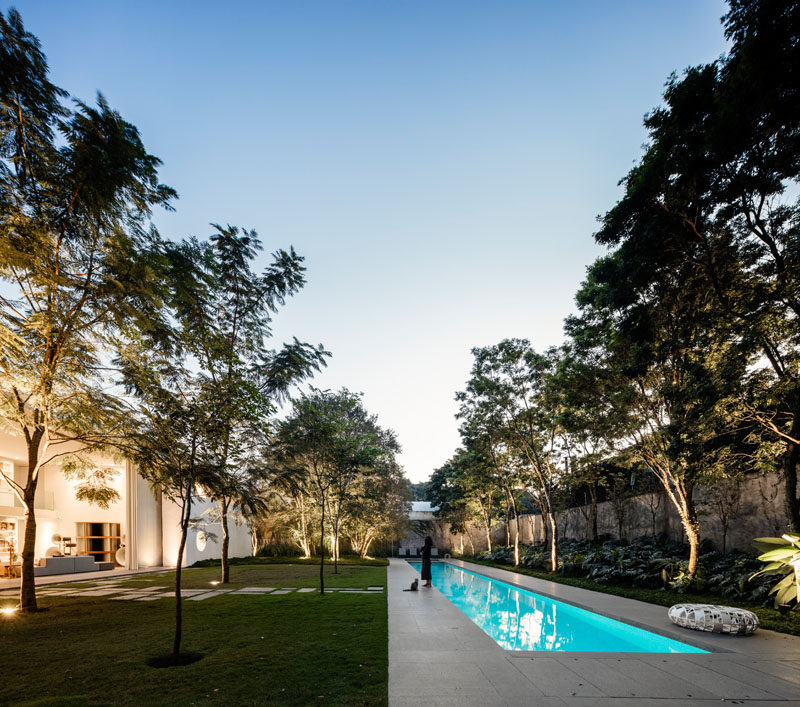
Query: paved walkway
{"x": 114, "y": 589}
{"x": 437, "y": 656}
{"x": 81, "y": 576}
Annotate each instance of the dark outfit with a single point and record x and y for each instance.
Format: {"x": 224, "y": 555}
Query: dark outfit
{"x": 426, "y": 563}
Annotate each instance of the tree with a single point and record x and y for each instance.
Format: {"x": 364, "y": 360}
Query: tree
{"x": 377, "y": 508}
{"x": 292, "y": 505}
{"x": 679, "y": 370}
{"x": 464, "y": 491}
{"x": 510, "y": 408}
{"x": 594, "y": 417}
{"x": 76, "y": 191}
{"x": 620, "y": 493}
{"x": 170, "y": 434}
{"x": 724, "y": 502}
{"x": 226, "y": 332}
{"x": 716, "y": 191}
{"x": 330, "y": 437}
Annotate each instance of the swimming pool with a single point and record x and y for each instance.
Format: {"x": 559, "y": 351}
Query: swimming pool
{"x": 519, "y": 620}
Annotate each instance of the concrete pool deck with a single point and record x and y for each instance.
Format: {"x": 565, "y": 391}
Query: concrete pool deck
{"x": 437, "y": 656}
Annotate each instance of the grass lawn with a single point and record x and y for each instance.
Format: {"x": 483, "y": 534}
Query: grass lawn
{"x": 770, "y": 618}
{"x": 293, "y": 649}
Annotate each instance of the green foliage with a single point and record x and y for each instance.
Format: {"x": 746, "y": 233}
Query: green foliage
{"x": 782, "y": 556}
{"x": 647, "y": 563}
{"x": 79, "y": 264}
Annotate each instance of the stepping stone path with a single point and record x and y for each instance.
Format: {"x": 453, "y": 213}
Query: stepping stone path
{"x": 111, "y": 589}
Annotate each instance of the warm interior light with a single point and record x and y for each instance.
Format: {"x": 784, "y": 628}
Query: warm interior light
{"x": 8, "y": 610}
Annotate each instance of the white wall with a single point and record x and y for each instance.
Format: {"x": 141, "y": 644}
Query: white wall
{"x": 57, "y": 510}
{"x": 171, "y": 515}
{"x": 148, "y": 509}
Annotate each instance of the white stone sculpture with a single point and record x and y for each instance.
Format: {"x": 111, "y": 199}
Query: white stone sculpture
{"x": 713, "y": 618}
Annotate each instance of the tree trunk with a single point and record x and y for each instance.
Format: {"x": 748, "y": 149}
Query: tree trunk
{"x": 186, "y": 513}
{"x": 365, "y": 547}
{"x": 226, "y": 573}
{"x": 305, "y": 543}
{"x": 790, "y": 461}
{"x": 516, "y": 538}
{"x": 593, "y": 510}
{"x": 551, "y": 518}
{"x": 322, "y": 550}
{"x": 335, "y": 547}
{"x": 471, "y": 544}
{"x": 545, "y": 524}
{"x": 691, "y": 527}
{"x": 693, "y": 536}
{"x": 27, "y": 591}
{"x": 488, "y": 537}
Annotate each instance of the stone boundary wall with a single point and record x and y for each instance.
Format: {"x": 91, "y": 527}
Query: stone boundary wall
{"x": 756, "y": 512}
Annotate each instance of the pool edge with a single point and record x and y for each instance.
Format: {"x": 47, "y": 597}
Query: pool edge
{"x": 661, "y": 631}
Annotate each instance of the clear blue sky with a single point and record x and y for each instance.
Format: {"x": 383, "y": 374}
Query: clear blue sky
{"x": 440, "y": 164}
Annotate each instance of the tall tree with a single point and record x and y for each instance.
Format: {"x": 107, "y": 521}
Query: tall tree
{"x": 77, "y": 256}
{"x": 678, "y": 369}
{"x": 226, "y": 331}
{"x": 509, "y": 399}
{"x": 594, "y": 417}
{"x": 330, "y": 437}
{"x": 464, "y": 491}
{"x": 717, "y": 189}
{"x": 171, "y": 429}
{"x": 377, "y": 508}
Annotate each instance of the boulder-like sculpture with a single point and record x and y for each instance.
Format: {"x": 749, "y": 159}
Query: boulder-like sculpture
{"x": 713, "y": 618}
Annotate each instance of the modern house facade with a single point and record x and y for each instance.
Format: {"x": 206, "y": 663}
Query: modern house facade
{"x": 138, "y": 530}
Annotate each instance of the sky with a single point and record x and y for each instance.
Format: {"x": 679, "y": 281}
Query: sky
{"x": 440, "y": 165}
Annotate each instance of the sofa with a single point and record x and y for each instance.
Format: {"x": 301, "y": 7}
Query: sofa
{"x": 65, "y": 564}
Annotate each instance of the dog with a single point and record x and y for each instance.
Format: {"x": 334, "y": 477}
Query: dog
{"x": 414, "y": 586}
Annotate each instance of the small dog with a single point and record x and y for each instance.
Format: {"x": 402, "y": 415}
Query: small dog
{"x": 414, "y": 586}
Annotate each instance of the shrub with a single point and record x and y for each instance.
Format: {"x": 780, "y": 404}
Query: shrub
{"x": 648, "y": 563}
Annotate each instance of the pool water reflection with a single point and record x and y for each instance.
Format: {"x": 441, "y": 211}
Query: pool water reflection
{"x": 519, "y": 620}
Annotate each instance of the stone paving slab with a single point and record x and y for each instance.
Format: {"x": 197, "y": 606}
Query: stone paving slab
{"x": 255, "y": 590}
{"x": 437, "y": 655}
{"x": 208, "y": 595}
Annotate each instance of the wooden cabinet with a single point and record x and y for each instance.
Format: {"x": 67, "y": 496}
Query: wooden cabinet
{"x": 100, "y": 540}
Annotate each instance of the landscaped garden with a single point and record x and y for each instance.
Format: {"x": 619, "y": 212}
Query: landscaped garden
{"x": 294, "y": 648}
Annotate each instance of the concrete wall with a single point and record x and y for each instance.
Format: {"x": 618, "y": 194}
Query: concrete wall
{"x": 757, "y": 512}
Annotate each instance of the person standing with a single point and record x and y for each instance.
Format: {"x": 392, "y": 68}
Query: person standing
{"x": 426, "y": 561}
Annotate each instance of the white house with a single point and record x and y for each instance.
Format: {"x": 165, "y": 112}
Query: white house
{"x": 139, "y": 530}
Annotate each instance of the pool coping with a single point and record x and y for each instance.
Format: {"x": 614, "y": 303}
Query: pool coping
{"x": 439, "y": 656}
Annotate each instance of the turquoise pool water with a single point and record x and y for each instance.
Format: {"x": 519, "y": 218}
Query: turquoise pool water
{"x": 519, "y": 620}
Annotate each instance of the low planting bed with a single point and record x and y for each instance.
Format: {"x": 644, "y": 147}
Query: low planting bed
{"x": 292, "y": 649}
{"x": 654, "y": 572}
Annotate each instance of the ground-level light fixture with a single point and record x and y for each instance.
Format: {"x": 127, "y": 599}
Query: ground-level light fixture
{"x": 8, "y": 610}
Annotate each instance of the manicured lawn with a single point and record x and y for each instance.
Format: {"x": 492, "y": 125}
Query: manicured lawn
{"x": 770, "y": 618}
{"x": 293, "y": 649}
